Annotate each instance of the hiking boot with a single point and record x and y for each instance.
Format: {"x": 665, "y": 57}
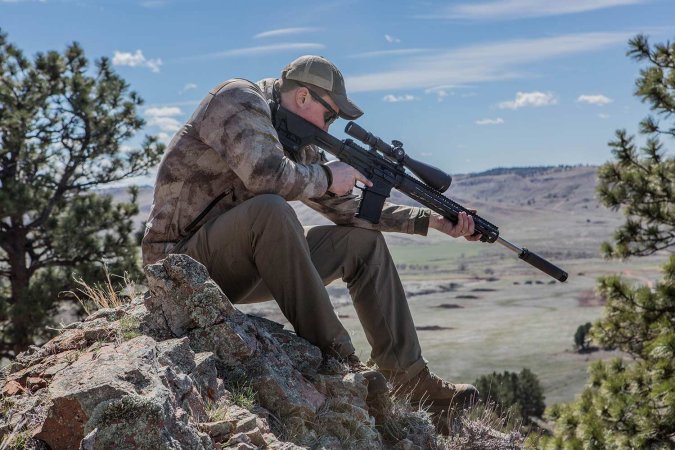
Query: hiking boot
{"x": 377, "y": 383}
{"x": 428, "y": 390}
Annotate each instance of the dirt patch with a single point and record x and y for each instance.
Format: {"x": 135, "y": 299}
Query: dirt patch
{"x": 483, "y": 290}
{"x": 449, "y": 306}
{"x": 445, "y": 287}
{"x": 589, "y": 298}
{"x": 467, "y": 296}
{"x": 432, "y": 328}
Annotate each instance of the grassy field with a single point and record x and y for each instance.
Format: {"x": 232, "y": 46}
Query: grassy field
{"x": 500, "y": 314}
{"x": 479, "y": 309}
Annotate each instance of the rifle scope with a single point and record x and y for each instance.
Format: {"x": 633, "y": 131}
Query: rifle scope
{"x": 430, "y": 175}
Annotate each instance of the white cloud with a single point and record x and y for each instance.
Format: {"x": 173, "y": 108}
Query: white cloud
{"x": 153, "y": 3}
{"x": 136, "y": 60}
{"x": 519, "y": 9}
{"x": 187, "y": 87}
{"x": 440, "y": 93}
{"x": 163, "y": 111}
{"x": 164, "y": 117}
{"x": 164, "y": 138}
{"x": 480, "y": 63}
{"x": 399, "y": 98}
{"x": 598, "y": 99}
{"x": 603, "y": 116}
{"x": 168, "y": 124}
{"x": 497, "y": 121}
{"x": 529, "y": 99}
{"x": 391, "y": 39}
{"x": 285, "y": 32}
{"x": 396, "y": 52}
{"x": 253, "y": 51}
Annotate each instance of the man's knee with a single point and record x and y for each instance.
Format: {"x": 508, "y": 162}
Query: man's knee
{"x": 269, "y": 206}
{"x": 367, "y": 242}
{"x": 271, "y": 211}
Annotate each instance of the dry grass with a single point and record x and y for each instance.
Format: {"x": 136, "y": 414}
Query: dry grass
{"x": 482, "y": 427}
{"x": 104, "y": 295}
{"x": 216, "y": 411}
{"x": 16, "y": 441}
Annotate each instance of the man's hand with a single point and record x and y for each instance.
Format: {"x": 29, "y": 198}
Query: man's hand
{"x": 345, "y": 177}
{"x": 463, "y": 227}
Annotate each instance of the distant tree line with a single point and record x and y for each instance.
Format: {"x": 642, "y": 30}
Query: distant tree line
{"x": 519, "y": 395}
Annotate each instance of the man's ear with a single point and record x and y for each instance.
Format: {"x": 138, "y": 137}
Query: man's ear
{"x": 301, "y": 97}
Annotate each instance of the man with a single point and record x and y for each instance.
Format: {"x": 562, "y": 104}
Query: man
{"x": 221, "y": 197}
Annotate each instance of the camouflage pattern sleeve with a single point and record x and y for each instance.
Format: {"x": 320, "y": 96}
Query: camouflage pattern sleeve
{"x": 237, "y": 125}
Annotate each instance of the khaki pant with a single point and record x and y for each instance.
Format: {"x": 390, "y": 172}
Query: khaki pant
{"x": 259, "y": 250}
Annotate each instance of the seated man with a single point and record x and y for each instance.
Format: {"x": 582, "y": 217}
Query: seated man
{"x": 221, "y": 197}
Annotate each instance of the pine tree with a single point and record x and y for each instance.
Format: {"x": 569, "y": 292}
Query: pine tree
{"x": 631, "y": 403}
{"x": 62, "y": 125}
{"x": 519, "y": 393}
{"x": 581, "y": 337}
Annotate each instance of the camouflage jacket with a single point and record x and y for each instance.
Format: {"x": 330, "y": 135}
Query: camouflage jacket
{"x": 228, "y": 152}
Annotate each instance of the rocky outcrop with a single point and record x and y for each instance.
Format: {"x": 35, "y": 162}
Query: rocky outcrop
{"x": 182, "y": 368}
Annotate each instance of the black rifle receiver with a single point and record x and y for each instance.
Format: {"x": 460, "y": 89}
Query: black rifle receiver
{"x": 389, "y": 172}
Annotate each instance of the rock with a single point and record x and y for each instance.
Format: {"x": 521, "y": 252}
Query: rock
{"x": 191, "y": 303}
{"x": 176, "y": 353}
{"x": 218, "y": 431}
{"x": 351, "y": 388}
{"x": 406, "y": 444}
{"x": 205, "y": 376}
{"x": 35, "y": 383}
{"x": 230, "y": 343}
{"x": 304, "y": 356}
{"x": 141, "y": 422}
{"x": 12, "y": 388}
{"x": 116, "y": 391}
{"x": 183, "y": 294}
{"x": 94, "y": 378}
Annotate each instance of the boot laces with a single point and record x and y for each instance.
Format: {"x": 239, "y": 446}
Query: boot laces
{"x": 435, "y": 379}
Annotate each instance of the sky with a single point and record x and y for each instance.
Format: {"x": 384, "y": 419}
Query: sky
{"x": 465, "y": 85}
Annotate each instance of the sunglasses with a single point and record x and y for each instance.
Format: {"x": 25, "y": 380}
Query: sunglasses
{"x": 330, "y": 115}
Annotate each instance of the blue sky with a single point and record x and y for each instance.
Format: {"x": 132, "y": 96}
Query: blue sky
{"x": 466, "y": 85}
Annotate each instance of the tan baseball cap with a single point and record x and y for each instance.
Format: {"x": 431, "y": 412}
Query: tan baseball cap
{"x": 318, "y": 71}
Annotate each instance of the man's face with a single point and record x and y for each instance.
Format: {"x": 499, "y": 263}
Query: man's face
{"x": 320, "y": 110}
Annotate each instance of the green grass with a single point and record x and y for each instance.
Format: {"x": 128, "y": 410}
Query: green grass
{"x": 129, "y": 327}
{"x": 436, "y": 253}
{"x": 243, "y": 395}
{"x": 508, "y": 326}
{"x": 216, "y": 411}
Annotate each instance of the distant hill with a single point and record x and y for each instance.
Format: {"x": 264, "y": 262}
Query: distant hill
{"x": 522, "y": 171}
{"x": 503, "y": 192}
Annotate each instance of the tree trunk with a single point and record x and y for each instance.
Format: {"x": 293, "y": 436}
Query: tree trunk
{"x": 19, "y": 336}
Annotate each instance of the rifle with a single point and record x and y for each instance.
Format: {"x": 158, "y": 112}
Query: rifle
{"x": 384, "y": 165}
